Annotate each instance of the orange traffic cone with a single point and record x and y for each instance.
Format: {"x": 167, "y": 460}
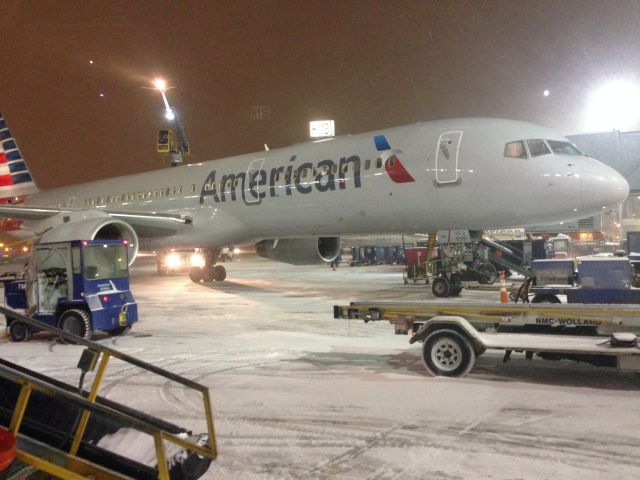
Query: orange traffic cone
{"x": 503, "y": 289}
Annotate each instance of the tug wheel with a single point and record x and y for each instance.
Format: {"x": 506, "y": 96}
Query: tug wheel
{"x": 76, "y": 322}
{"x": 441, "y": 287}
{"x": 19, "y": 331}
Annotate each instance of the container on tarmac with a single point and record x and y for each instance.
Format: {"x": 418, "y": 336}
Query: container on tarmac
{"x": 78, "y": 286}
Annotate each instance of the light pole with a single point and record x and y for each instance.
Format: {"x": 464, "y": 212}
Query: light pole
{"x": 181, "y": 145}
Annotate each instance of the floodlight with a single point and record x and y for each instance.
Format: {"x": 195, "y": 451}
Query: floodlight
{"x": 614, "y": 105}
{"x": 160, "y": 84}
{"x": 169, "y": 115}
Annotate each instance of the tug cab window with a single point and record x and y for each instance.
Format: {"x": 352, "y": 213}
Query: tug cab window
{"x": 563, "y": 148}
{"x": 537, "y": 147}
{"x": 515, "y": 150}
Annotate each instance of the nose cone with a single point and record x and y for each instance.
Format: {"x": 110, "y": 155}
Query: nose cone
{"x": 602, "y": 188}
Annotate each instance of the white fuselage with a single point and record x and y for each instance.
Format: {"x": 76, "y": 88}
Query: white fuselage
{"x": 462, "y": 179}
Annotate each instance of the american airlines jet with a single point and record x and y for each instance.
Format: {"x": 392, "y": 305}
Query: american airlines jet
{"x": 294, "y": 203}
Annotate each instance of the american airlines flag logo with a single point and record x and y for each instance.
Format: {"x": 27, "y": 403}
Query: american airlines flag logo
{"x": 13, "y": 169}
{"x": 393, "y": 166}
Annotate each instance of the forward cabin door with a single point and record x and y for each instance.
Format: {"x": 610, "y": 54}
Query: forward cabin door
{"x": 447, "y": 157}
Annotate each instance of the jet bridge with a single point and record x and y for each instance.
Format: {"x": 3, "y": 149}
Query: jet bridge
{"x": 70, "y": 432}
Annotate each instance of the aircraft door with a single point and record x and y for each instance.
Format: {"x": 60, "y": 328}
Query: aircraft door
{"x": 447, "y": 157}
{"x": 254, "y": 182}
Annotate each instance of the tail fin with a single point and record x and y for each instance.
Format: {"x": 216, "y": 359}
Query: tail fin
{"x": 15, "y": 179}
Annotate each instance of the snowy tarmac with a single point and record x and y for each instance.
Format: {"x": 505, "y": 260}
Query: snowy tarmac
{"x": 297, "y": 394}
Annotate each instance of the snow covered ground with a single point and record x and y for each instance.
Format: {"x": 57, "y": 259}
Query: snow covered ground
{"x": 298, "y": 394}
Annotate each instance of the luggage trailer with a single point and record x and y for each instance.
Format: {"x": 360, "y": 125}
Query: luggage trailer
{"x": 454, "y": 335}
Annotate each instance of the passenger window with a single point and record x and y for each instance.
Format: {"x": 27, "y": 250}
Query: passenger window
{"x": 367, "y": 164}
{"x": 304, "y": 173}
{"x": 345, "y": 168}
{"x": 537, "y": 147}
{"x": 334, "y": 169}
{"x": 378, "y": 163}
{"x": 392, "y": 161}
{"x": 515, "y": 150}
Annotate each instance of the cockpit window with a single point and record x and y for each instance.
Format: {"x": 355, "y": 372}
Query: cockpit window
{"x": 563, "y": 148}
{"x": 537, "y": 147}
{"x": 515, "y": 150}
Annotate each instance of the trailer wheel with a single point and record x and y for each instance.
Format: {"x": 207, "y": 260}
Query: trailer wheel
{"x": 76, "y": 322}
{"x": 440, "y": 287}
{"x": 19, "y": 331}
{"x": 448, "y": 353}
{"x": 195, "y": 274}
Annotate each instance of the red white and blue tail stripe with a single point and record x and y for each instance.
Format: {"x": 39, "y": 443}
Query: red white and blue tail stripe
{"x": 15, "y": 178}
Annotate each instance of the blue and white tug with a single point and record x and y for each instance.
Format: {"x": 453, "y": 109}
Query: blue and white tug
{"x": 79, "y": 286}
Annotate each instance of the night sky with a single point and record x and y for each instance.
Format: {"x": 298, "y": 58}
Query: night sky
{"x": 254, "y": 72}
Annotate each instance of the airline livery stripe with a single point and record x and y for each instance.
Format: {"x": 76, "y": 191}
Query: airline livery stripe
{"x": 22, "y": 178}
{"x": 381, "y": 143}
{"x": 9, "y": 145}
{"x": 5, "y": 180}
{"x": 4, "y": 169}
{"x": 16, "y": 167}
{"x": 3, "y": 157}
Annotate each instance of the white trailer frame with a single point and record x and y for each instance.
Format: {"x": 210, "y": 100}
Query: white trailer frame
{"x": 451, "y": 343}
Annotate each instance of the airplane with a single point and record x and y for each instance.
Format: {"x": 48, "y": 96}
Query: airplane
{"x": 294, "y": 203}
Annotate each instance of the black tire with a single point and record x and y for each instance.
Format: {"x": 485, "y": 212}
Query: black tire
{"x": 115, "y": 332}
{"x": 76, "y": 322}
{"x": 208, "y": 273}
{"x": 455, "y": 290}
{"x": 545, "y": 299}
{"x": 441, "y": 287}
{"x": 448, "y": 353}
{"x": 220, "y": 273}
{"x": 19, "y": 331}
{"x": 487, "y": 274}
{"x": 195, "y": 274}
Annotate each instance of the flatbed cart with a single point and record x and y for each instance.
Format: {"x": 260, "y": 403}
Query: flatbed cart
{"x": 453, "y": 335}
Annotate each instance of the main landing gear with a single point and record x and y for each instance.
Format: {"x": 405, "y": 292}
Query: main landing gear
{"x": 210, "y": 272}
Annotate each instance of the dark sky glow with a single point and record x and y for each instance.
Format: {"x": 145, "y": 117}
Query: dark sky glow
{"x": 367, "y": 64}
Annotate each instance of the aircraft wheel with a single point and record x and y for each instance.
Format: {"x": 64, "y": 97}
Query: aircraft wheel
{"x": 209, "y": 273}
{"x": 219, "y": 273}
{"x": 76, "y": 322}
{"x": 19, "y": 331}
{"x": 195, "y": 274}
{"x": 440, "y": 287}
{"x": 448, "y": 353}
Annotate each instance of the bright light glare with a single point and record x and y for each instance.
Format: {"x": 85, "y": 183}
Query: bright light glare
{"x": 160, "y": 84}
{"x": 546, "y": 93}
{"x": 169, "y": 115}
{"x": 173, "y": 260}
{"x": 614, "y": 106}
{"x": 197, "y": 260}
{"x": 236, "y": 250}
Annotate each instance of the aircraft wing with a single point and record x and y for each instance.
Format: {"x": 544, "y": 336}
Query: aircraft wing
{"x": 146, "y": 224}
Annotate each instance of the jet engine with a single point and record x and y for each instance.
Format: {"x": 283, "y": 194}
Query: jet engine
{"x": 94, "y": 228}
{"x": 300, "y": 251}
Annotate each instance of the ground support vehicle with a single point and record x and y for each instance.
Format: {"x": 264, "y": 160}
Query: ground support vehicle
{"x": 597, "y": 280}
{"x": 79, "y": 286}
{"x": 416, "y": 265}
{"x": 453, "y": 335}
{"x": 67, "y": 432}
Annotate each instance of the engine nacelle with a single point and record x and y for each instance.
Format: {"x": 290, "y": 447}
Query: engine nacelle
{"x": 300, "y": 251}
{"x": 96, "y": 228}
